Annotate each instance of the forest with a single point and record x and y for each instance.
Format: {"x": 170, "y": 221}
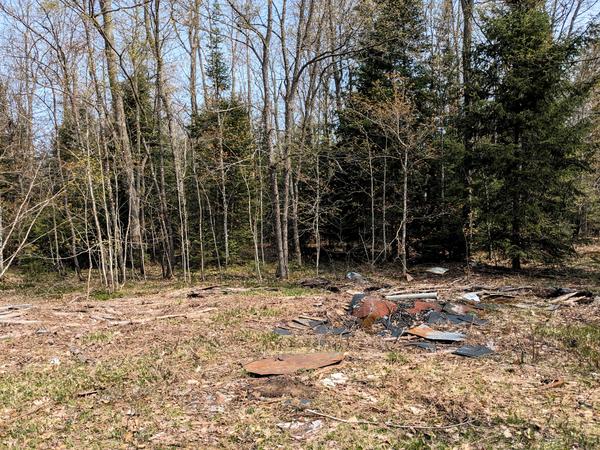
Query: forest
{"x": 195, "y": 135}
{"x": 300, "y": 224}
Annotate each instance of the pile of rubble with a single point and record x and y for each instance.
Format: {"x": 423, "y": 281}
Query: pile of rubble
{"x": 420, "y": 319}
{"x": 395, "y": 315}
{"x": 411, "y": 314}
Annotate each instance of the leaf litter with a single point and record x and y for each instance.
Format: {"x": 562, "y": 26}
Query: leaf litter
{"x": 202, "y": 338}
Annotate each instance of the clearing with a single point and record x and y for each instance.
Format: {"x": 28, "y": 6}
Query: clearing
{"x": 157, "y": 368}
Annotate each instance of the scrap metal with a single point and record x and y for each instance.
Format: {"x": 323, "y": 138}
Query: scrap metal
{"x": 433, "y": 335}
{"x": 290, "y": 363}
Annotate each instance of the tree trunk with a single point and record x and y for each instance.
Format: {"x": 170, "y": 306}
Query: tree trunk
{"x": 223, "y": 181}
{"x": 467, "y": 8}
{"x": 404, "y": 210}
{"x": 282, "y": 271}
{"x": 119, "y": 123}
{"x": 295, "y": 218}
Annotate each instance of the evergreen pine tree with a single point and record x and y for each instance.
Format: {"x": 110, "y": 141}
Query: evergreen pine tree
{"x": 530, "y": 145}
{"x": 216, "y": 67}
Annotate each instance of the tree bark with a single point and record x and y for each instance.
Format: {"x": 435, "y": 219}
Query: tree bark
{"x": 122, "y": 140}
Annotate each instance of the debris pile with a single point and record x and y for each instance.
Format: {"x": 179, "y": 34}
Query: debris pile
{"x": 572, "y": 297}
{"x": 419, "y": 319}
{"x": 406, "y": 315}
{"x": 411, "y": 314}
{"x": 398, "y": 315}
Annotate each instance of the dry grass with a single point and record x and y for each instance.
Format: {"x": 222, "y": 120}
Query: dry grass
{"x": 122, "y": 382}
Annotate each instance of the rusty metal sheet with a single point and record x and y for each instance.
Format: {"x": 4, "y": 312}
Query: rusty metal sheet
{"x": 421, "y": 306}
{"x": 290, "y": 363}
{"x": 433, "y": 335}
{"x": 374, "y": 308}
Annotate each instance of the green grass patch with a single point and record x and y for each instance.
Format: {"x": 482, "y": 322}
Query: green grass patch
{"x": 370, "y": 437}
{"x": 200, "y": 349}
{"x": 234, "y": 316}
{"x": 261, "y": 340}
{"x": 45, "y": 285}
{"x": 288, "y": 291}
{"x": 396, "y": 358}
{"x": 63, "y": 383}
{"x": 97, "y": 337}
{"x": 581, "y": 340}
{"x": 523, "y": 433}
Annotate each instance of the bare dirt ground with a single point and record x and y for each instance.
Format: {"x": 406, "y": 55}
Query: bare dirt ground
{"x": 157, "y": 369}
